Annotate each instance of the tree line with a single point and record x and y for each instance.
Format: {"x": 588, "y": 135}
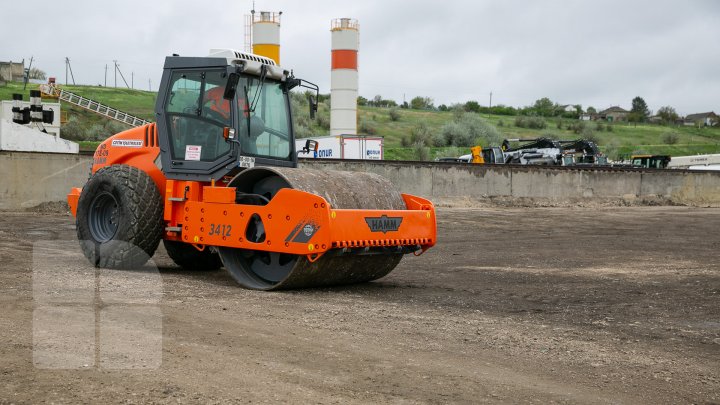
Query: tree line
{"x": 543, "y": 107}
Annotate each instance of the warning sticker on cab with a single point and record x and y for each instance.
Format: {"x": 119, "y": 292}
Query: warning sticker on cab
{"x": 127, "y": 143}
{"x": 192, "y": 152}
{"x": 246, "y": 161}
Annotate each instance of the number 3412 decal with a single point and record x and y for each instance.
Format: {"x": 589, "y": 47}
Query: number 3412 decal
{"x": 220, "y": 230}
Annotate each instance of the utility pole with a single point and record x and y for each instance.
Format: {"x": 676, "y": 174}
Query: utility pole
{"x": 27, "y": 72}
{"x": 132, "y": 80}
{"x": 491, "y": 99}
{"x": 117, "y": 70}
{"x": 106, "y": 75}
{"x": 149, "y": 85}
{"x": 68, "y": 67}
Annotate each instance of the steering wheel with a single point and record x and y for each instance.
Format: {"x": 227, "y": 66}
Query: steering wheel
{"x": 213, "y": 115}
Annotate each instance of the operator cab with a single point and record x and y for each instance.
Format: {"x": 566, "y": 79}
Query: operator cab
{"x": 220, "y": 114}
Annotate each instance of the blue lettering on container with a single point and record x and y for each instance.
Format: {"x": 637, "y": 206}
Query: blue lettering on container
{"x": 324, "y": 153}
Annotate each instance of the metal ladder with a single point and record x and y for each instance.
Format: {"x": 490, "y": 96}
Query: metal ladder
{"x": 91, "y": 105}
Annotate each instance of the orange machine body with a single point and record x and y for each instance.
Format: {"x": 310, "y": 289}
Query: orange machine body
{"x": 295, "y": 222}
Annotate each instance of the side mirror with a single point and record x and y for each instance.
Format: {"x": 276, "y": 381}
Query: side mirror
{"x": 313, "y": 107}
{"x": 231, "y": 86}
{"x": 310, "y": 145}
{"x": 228, "y": 133}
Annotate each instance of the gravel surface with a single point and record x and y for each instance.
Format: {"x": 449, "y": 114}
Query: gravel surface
{"x": 514, "y": 305}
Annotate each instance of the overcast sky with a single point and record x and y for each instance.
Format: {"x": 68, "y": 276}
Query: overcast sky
{"x": 593, "y": 53}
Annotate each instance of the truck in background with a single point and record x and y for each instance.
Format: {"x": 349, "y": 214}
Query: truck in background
{"x": 696, "y": 162}
{"x": 364, "y": 147}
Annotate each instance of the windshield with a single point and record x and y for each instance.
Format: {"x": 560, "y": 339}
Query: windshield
{"x": 264, "y": 118}
{"x": 197, "y": 114}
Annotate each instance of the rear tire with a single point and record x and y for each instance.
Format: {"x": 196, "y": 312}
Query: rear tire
{"x": 187, "y": 257}
{"x": 119, "y": 218}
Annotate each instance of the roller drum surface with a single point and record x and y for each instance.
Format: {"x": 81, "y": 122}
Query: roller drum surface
{"x": 343, "y": 190}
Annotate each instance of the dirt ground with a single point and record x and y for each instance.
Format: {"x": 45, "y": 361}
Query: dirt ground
{"x": 514, "y": 305}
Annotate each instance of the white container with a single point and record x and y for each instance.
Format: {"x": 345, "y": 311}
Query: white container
{"x": 343, "y": 147}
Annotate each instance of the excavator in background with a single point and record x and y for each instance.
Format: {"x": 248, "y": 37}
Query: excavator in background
{"x": 582, "y": 152}
{"x": 216, "y": 179}
{"x": 540, "y": 151}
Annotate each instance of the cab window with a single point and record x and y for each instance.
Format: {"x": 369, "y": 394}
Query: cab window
{"x": 197, "y": 113}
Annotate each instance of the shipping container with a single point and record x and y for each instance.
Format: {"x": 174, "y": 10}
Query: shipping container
{"x": 343, "y": 147}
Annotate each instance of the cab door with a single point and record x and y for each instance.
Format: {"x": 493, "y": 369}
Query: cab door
{"x": 195, "y": 116}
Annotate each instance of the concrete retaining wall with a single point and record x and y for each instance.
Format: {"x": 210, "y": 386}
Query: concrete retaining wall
{"x": 29, "y": 179}
{"x": 448, "y": 183}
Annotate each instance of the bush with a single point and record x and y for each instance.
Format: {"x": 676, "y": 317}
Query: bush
{"x": 421, "y": 134}
{"x": 73, "y": 130}
{"x": 302, "y": 131}
{"x": 612, "y": 150}
{"x": 114, "y": 127}
{"x": 472, "y": 106}
{"x": 589, "y": 134}
{"x": 501, "y": 123}
{"x": 394, "y": 114}
{"x": 404, "y": 141}
{"x": 577, "y": 127}
{"x": 458, "y": 111}
{"x": 609, "y": 128}
{"x": 469, "y": 130}
{"x": 530, "y": 122}
{"x": 559, "y": 124}
{"x": 421, "y": 152}
{"x": 438, "y": 140}
{"x": 451, "y": 152}
{"x": 599, "y": 126}
{"x": 367, "y": 127}
{"x": 670, "y": 138}
{"x": 323, "y": 121}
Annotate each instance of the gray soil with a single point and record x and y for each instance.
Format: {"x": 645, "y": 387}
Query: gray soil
{"x": 514, "y": 305}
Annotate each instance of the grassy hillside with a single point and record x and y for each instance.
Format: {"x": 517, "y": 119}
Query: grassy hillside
{"x": 623, "y": 139}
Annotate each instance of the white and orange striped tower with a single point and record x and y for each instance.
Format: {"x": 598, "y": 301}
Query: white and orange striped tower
{"x": 344, "y": 76}
{"x": 266, "y": 34}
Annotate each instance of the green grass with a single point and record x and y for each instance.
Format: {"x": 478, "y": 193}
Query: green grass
{"x": 88, "y": 145}
{"x": 136, "y": 102}
{"x": 624, "y": 139}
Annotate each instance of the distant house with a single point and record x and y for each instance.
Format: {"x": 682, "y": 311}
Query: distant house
{"x": 12, "y": 71}
{"x": 588, "y": 117}
{"x": 614, "y": 114}
{"x": 568, "y": 108}
{"x": 655, "y": 119}
{"x": 707, "y": 119}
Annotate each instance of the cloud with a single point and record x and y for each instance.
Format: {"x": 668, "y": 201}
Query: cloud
{"x": 574, "y": 52}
